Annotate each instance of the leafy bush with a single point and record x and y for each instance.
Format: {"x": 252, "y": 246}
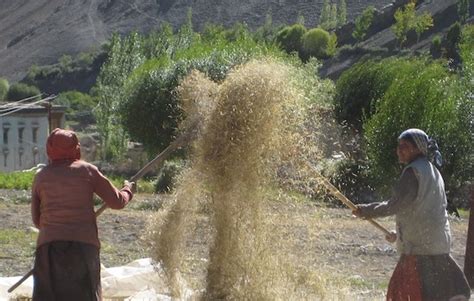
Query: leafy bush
{"x": 166, "y": 178}
{"x": 318, "y": 43}
{"x": 290, "y": 38}
{"x": 20, "y": 91}
{"x": 423, "y": 95}
{"x": 360, "y": 87}
{"x": 466, "y": 50}
{"x": 435, "y": 49}
{"x": 16, "y": 180}
{"x": 453, "y": 37}
{"x": 4, "y": 86}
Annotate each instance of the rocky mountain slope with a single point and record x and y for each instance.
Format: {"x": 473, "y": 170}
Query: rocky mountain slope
{"x": 40, "y": 31}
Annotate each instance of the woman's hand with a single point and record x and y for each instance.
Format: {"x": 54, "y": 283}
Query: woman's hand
{"x": 358, "y": 212}
{"x": 392, "y": 237}
{"x": 130, "y": 185}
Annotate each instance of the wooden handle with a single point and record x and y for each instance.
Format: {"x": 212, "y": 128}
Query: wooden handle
{"x": 161, "y": 157}
{"x": 17, "y": 284}
{"x": 334, "y": 191}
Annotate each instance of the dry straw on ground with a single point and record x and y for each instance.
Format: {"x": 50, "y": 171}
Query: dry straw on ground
{"x": 251, "y": 123}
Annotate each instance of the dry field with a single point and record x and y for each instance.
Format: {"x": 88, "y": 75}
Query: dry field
{"x": 334, "y": 254}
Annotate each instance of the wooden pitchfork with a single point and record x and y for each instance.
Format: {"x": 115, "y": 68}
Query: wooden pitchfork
{"x": 335, "y": 192}
{"x": 182, "y": 140}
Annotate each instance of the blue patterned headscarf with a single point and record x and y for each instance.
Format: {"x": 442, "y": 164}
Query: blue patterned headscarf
{"x": 425, "y": 144}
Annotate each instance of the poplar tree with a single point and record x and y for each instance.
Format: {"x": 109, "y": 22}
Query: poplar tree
{"x": 342, "y": 13}
{"x": 324, "y": 18}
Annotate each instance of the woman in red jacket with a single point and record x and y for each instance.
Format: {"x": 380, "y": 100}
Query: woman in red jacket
{"x": 67, "y": 263}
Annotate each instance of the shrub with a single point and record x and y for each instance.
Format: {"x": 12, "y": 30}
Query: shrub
{"x": 435, "y": 49}
{"x": 317, "y": 43}
{"x": 290, "y": 38}
{"x": 453, "y": 37}
{"x": 4, "y": 86}
{"x": 16, "y": 180}
{"x": 423, "y": 95}
{"x": 20, "y": 91}
{"x": 360, "y": 87}
{"x": 166, "y": 177}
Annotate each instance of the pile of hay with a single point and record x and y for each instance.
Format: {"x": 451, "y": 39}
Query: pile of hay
{"x": 251, "y": 124}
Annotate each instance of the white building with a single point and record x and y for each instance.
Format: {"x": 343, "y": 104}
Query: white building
{"x": 23, "y": 135}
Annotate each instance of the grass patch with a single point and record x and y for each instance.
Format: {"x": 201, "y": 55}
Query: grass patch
{"x": 16, "y": 180}
{"x": 17, "y": 243}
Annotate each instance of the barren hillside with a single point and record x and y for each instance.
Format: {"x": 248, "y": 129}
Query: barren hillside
{"x": 40, "y": 31}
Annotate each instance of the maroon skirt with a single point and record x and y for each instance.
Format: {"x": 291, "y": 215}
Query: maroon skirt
{"x": 427, "y": 278}
{"x": 67, "y": 270}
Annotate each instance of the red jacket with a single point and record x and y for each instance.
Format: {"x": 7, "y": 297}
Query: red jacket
{"x": 62, "y": 206}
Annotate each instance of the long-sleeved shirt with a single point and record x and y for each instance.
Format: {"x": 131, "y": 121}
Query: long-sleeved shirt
{"x": 62, "y": 206}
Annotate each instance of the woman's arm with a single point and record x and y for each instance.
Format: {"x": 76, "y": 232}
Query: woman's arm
{"x": 404, "y": 194}
{"x": 114, "y": 198}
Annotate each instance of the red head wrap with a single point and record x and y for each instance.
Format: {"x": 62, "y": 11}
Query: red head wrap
{"x": 62, "y": 145}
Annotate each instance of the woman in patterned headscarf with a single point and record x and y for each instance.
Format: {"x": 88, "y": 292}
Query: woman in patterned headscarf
{"x": 425, "y": 270}
{"x": 67, "y": 264}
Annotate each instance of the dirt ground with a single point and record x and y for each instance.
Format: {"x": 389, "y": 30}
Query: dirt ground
{"x": 328, "y": 241}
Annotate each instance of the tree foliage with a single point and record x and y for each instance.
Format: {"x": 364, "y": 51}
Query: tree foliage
{"x": 4, "y": 86}
{"x": 150, "y": 112}
{"x": 342, "y": 13}
{"x": 325, "y": 16}
{"x": 290, "y": 38}
{"x": 318, "y": 43}
{"x": 79, "y": 108}
{"x": 360, "y": 87}
{"x": 422, "y": 95}
{"x": 20, "y": 91}
{"x": 407, "y": 20}
{"x": 363, "y": 23}
{"x": 123, "y": 57}
{"x": 463, "y": 7}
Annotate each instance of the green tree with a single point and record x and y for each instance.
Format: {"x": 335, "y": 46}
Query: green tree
{"x": 290, "y": 37}
{"x": 19, "y": 91}
{"x": 466, "y": 50}
{"x": 333, "y": 17}
{"x": 66, "y": 63}
{"x": 316, "y": 43}
{"x": 453, "y": 38}
{"x": 423, "y": 95}
{"x": 79, "y": 108}
{"x": 325, "y": 16}
{"x": 150, "y": 90}
{"x": 422, "y": 24}
{"x": 4, "y": 86}
{"x": 360, "y": 87}
{"x": 404, "y": 21}
{"x": 124, "y": 56}
{"x": 407, "y": 20}
{"x": 463, "y": 7}
{"x": 363, "y": 23}
{"x": 342, "y": 13}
